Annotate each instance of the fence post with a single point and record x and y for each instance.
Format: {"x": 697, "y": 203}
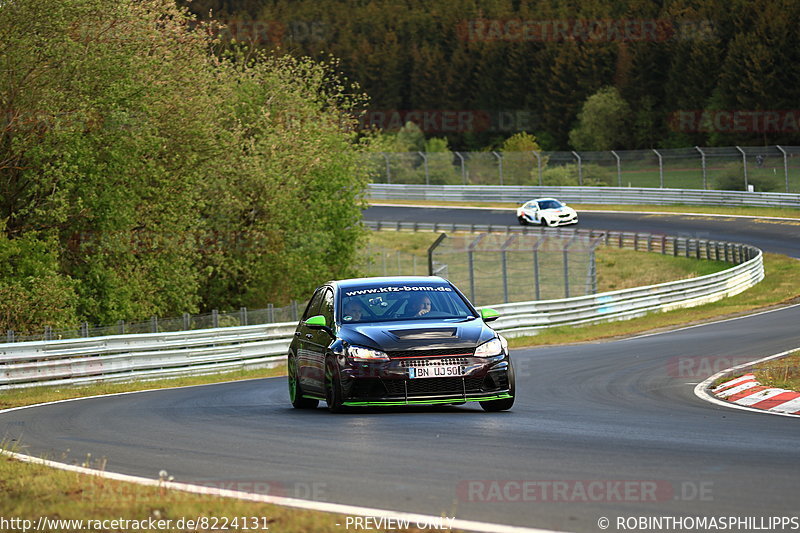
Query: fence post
{"x": 388, "y": 170}
{"x": 580, "y": 168}
{"x": 539, "y": 165}
{"x": 243, "y": 316}
{"x": 785, "y": 167}
{"x": 660, "y": 169}
{"x": 295, "y": 314}
{"x": 121, "y": 324}
{"x": 425, "y": 164}
{"x": 471, "y": 265}
{"x": 214, "y": 318}
{"x": 566, "y": 271}
{"x": 744, "y": 167}
{"x": 463, "y": 167}
{"x": 84, "y": 329}
{"x": 153, "y": 324}
{"x": 10, "y": 335}
{"x": 536, "y": 269}
{"x": 619, "y": 169}
{"x": 270, "y": 313}
{"x": 48, "y": 333}
{"x": 703, "y": 164}
{"x": 499, "y": 166}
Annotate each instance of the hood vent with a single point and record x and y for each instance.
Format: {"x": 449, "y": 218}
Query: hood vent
{"x": 424, "y": 334}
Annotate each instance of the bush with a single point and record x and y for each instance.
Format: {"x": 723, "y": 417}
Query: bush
{"x": 731, "y": 178}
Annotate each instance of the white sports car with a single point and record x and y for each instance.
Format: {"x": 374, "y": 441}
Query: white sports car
{"x": 547, "y": 212}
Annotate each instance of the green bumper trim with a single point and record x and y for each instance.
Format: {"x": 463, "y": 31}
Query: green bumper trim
{"x": 310, "y": 397}
{"x": 432, "y": 402}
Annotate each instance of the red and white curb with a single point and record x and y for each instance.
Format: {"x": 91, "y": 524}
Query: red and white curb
{"x": 746, "y": 393}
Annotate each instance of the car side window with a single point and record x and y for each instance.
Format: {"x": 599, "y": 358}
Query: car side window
{"x": 312, "y": 309}
{"x": 326, "y": 308}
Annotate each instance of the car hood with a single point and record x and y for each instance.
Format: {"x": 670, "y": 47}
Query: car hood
{"x": 417, "y": 335}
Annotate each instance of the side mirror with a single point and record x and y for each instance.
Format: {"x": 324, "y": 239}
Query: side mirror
{"x": 319, "y": 322}
{"x": 488, "y": 314}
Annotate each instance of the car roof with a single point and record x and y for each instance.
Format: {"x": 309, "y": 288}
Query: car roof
{"x": 357, "y": 282}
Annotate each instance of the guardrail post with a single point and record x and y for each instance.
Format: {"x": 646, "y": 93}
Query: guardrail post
{"x": 703, "y": 165}
{"x": 243, "y": 316}
{"x": 48, "y": 333}
{"x": 214, "y": 318}
{"x": 153, "y": 324}
{"x": 785, "y": 167}
{"x": 675, "y": 247}
{"x": 663, "y": 245}
{"x": 84, "y": 329}
{"x": 10, "y": 335}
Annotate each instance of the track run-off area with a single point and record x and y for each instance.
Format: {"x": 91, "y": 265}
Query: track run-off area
{"x": 599, "y": 430}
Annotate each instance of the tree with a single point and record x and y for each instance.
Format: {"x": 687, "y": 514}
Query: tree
{"x": 603, "y": 122}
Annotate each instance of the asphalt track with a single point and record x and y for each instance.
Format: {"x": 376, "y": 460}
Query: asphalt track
{"x": 587, "y": 418}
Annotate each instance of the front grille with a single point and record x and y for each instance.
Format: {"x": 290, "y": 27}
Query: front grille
{"x": 433, "y": 386}
{"x": 427, "y": 362}
{"x": 432, "y": 353}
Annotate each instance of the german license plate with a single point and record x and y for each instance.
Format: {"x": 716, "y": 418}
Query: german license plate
{"x": 435, "y": 371}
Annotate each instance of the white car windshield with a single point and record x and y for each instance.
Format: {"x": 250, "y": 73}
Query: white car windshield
{"x": 550, "y": 204}
{"x": 380, "y": 303}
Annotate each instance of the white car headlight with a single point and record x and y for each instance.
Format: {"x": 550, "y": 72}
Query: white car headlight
{"x": 359, "y": 353}
{"x": 490, "y": 348}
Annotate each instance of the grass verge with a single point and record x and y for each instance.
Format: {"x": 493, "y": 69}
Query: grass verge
{"x": 782, "y": 373}
{"x": 779, "y": 287}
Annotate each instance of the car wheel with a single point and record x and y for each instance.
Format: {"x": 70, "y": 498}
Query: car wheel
{"x": 295, "y": 390}
{"x": 506, "y": 403}
{"x": 333, "y": 387}
{"x": 544, "y": 222}
{"x": 522, "y": 221}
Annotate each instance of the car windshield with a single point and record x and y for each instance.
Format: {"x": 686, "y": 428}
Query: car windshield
{"x": 549, "y": 204}
{"x": 402, "y": 301}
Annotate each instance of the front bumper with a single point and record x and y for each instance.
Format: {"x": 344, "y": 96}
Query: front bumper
{"x": 388, "y": 383}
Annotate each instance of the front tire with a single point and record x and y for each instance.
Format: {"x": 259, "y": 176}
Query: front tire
{"x": 333, "y": 387}
{"x": 544, "y": 222}
{"x": 522, "y": 221}
{"x": 492, "y": 406}
{"x": 295, "y": 389}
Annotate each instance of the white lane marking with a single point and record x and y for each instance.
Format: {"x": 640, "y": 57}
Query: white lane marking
{"x": 702, "y": 392}
{"x": 737, "y": 389}
{"x": 467, "y": 525}
{"x": 765, "y": 394}
{"x": 610, "y": 211}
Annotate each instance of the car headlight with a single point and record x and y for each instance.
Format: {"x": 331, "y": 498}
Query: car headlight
{"x": 491, "y": 348}
{"x": 359, "y": 353}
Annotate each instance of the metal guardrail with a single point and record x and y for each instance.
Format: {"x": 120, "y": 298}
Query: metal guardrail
{"x": 581, "y": 195}
{"x": 156, "y": 355}
{"x": 142, "y": 356}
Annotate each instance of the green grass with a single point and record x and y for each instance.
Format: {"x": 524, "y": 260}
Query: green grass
{"x": 782, "y": 373}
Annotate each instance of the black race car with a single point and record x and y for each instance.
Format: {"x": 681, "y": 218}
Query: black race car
{"x": 397, "y": 341}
